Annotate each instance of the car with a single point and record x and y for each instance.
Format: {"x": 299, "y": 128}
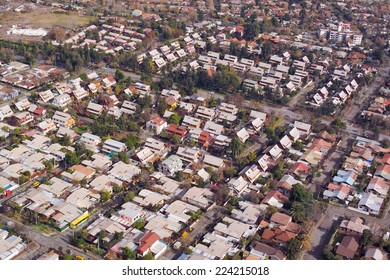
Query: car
{"x": 36, "y": 184}
{"x": 80, "y": 258}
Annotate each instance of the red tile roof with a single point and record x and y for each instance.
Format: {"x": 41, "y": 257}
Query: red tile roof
{"x": 147, "y": 241}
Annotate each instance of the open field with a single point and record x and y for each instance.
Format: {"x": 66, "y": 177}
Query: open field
{"x": 45, "y": 20}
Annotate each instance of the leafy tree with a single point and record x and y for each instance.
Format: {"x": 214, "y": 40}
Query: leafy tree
{"x": 237, "y": 147}
{"x": 148, "y": 256}
{"x": 2, "y": 190}
{"x": 139, "y": 224}
{"x": 338, "y": 125}
{"x": 123, "y": 157}
{"x": 119, "y": 76}
{"x": 105, "y": 196}
{"x": 67, "y": 257}
{"x": 298, "y": 212}
{"x": 128, "y": 254}
{"x": 174, "y": 119}
{"x": 367, "y": 238}
{"x": 129, "y": 196}
{"x": 293, "y": 248}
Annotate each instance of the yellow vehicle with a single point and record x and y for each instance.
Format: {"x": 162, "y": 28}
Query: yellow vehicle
{"x": 184, "y": 234}
{"x": 36, "y": 184}
{"x": 80, "y": 258}
{"x": 81, "y": 219}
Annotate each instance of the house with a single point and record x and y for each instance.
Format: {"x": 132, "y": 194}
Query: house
{"x": 94, "y": 108}
{"x": 200, "y": 197}
{"x": 63, "y": 119}
{"x": 22, "y": 118}
{"x": 234, "y": 230}
{"x": 104, "y": 183}
{"x": 353, "y": 226}
{"x": 378, "y": 186}
{"x": 62, "y": 100}
{"x": 46, "y": 126}
{"x": 124, "y": 172}
{"x": 275, "y": 198}
{"x": 171, "y": 165}
{"x": 238, "y": 185}
{"x": 214, "y": 162}
{"x": 335, "y": 191}
{"x": 303, "y": 128}
{"x": 375, "y": 254}
{"x": 91, "y": 141}
{"x": 150, "y": 243}
{"x": 265, "y": 252}
{"x": 205, "y": 113}
{"x": 113, "y": 146}
{"x": 286, "y": 183}
{"x": 243, "y": 135}
{"x": 383, "y": 171}
{"x": 251, "y": 172}
{"x": 191, "y": 122}
{"x": 212, "y": 247}
{"x": 128, "y": 214}
{"x": 46, "y": 96}
{"x": 78, "y": 173}
{"x": 247, "y": 212}
{"x": 275, "y": 152}
{"x": 370, "y": 203}
{"x": 23, "y": 104}
{"x": 346, "y": 176}
{"x": 5, "y": 112}
{"x": 180, "y": 211}
{"x": 213, "y": 128}
{"x": 109, "y": 82}
{"x": 147, "y": 198}
{"x": 189, "y": 155}
{"x": 177, "y": 130}
{"x": 300, "y": 169}
{"x": 128, "y": 107}
{"x": 348, "y": 247}
{"x": 157, "y": 125}
{"x": 285, "y": 142}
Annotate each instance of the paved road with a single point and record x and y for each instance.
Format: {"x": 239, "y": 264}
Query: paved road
{"x": 45, "y": 241}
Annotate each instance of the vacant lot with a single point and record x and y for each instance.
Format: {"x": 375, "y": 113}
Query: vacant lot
{"x": 44, "y": 20}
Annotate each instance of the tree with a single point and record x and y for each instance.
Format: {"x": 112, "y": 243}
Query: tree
{"x": 105, "y": 196}
{"x": 139, "y": 224}
{"x": 67, "y": 257}
{"x": 293, "y": 248}
{"x": 72, "y": 158}
{"x": 174, "y": 119}
{"x": 2, "y": 190}
{"x": 129, "y": 196}
{"x": 148, "y": 256}
{"x": 298, "y": 212}
{"x": 367, "y": 238}
{"x": 338, "y": 125}
{"x": 128, "y": 254}
{"x": 237, "y": 147}
{"x": 119, "y": 76}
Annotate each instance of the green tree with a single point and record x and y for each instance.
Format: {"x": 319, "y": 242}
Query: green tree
{"x": 174, "y": 119}
{"x": 128, "y": 254}
{"x": 293, "y": 248}
{"x": 129, "y": 196}
{"x": 72, "y": 158}
{"x": 105, "y": 196}
{"x": 237, "y": 147}
{"x": 148, "y": 256}
{"x": 2, "y": 190}
{"x": 367, "y": 238}
{"x": 139, "y": 224}
{"x": 119, "y": 76}
{"x": 67, "y": 257}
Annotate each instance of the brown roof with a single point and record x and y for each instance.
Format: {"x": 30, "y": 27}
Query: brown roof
{"x": 275, "y": 194}
{"x": 347, "y": 247}
{"x": 280, "y": 218}
{"x": 270, "y": 251}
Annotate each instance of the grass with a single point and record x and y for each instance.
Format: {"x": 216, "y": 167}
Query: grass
{"x": 43, "y": 228}
{"x": 45, "y": 20}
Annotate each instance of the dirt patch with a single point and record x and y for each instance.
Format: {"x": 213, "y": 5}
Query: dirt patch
{"x": 43, "y": 20}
